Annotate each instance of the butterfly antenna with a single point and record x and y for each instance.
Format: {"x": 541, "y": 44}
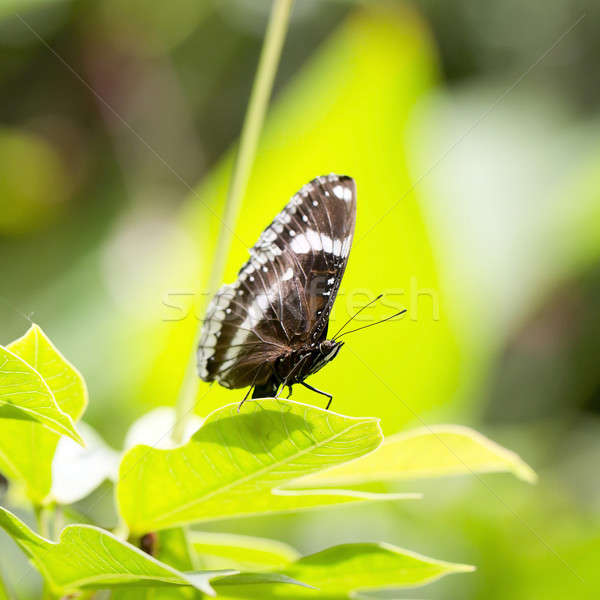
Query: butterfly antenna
{"x": 371, "y": 324}
{"x": 355, "y": 315}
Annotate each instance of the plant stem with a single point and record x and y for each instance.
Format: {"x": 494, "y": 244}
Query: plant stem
{"x": 42, "y": 515}
{"x": 253, "y": 122}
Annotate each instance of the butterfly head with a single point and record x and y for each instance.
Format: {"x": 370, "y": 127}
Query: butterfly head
{"x": 329, "y": 349}
{"x": 325, "y": 352}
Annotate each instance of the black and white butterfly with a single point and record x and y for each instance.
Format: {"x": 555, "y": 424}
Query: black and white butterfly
{"x": 268, "y": 329}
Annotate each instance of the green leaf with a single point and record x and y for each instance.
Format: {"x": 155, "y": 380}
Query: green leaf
{"x": 3, "y": 592}
{"x": 254, "y": 578}
{"x": 339, "y": 571}
{"x": 435, "y": 451}
{"x": 241, "y": 552}
{"x": 25, "y": 396}
{"x": 87, "y": 557}
{"x": 63, "y": 379}
{"x": 26, "y": 447}
{"x": 377, "y": 595}
{"x": 237, "y": 464}
{"x": 173, "y": 549}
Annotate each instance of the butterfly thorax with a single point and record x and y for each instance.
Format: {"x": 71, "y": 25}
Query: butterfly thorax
{"x": 296, "y": 365}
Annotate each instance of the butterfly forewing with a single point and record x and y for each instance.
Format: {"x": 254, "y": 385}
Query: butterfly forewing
{"x": 284, "y": 293}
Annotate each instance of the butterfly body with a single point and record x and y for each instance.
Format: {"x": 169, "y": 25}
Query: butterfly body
{"x": 296, "y": 365}
{"x": 268, "y": 329}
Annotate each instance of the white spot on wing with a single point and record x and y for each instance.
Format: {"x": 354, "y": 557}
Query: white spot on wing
{"x": 255, "y": 313}
{"x": 269, "y": 235}
{"x": 283, "y": 217}
{"x": 263, "y": 302}
{"x": 346, "y": 246}
{"x": 300, "y": 244}
{"x": 211, "y": 329}
{"x": 287, "y": 275}
{"x": 314, "y": 239}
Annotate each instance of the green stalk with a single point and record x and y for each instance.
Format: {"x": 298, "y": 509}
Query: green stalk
{"x": 43, "y": 516}
{"x": 253, "y": 122}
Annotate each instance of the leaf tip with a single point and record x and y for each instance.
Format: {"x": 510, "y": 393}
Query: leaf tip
{"x": 461, "y": 568}
{"x": 74, "y": 434}
{"x": 525, "y": 473}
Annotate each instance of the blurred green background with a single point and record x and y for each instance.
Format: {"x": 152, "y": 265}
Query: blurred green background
{"x": 472, "y": 131}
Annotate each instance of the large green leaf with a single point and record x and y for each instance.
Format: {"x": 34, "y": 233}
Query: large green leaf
{"x": 241, "y": 552}
{"x": 27, "y": 448}
{"x": 237, "y": 463}
{"x": 434, "y": 451}
{"x": 87, "y": 557}
{"x": 3, "y": 592}
{"x": 25, "y": 396}
{"x": 339, "y": 571}
{"x": 172, "y": 548}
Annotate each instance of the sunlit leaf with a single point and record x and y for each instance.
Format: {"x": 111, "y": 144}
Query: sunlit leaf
{"x": 241, "y": 552}
{"x": 87, "y": 557}
{"x": 435, "y": 451}
{"x": 237, "y": 463}
{"x": 170, "y": 547}
{"x": 339, "y": 571}
{"x": 3, "y": 592}
{"x": 244, "y": 579}
{"x": 27, "y": 448}
{"x": 174, "y": 549}
{"x": 25, "y": 396}
{"x": 387, "y": 594}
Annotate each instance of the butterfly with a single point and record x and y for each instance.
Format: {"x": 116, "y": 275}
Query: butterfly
{"x": 268, "y": 329}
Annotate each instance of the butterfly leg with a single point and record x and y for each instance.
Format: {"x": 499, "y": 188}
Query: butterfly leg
{"x": 289, "y": 391}
{"x": 245, "y": 398}
{"x": 260, "y": 391}
{"x": 310, "y": 387}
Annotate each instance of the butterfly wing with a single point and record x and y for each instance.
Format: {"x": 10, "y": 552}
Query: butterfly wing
{"x": 284, "y": 293}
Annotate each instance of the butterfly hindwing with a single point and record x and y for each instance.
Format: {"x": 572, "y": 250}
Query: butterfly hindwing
{"x": 284, "y": 293}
